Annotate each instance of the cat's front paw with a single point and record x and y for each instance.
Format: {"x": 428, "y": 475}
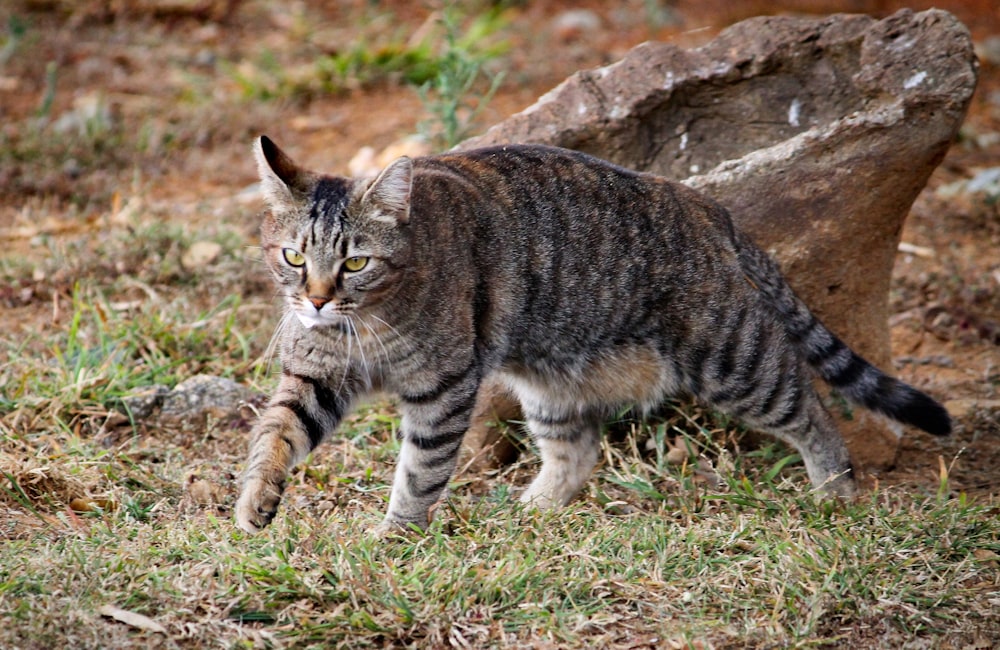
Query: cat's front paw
{"x": 257, "y": 505}
{"x": 391, "y": 527}
{"x": 842, "y": 486}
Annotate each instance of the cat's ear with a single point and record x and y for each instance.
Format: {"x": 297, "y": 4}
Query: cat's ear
{"x": 389, "y": 194}
{"x": 285, "y": 184}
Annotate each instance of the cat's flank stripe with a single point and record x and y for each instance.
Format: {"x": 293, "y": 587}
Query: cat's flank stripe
{"x": 445, "y": 384}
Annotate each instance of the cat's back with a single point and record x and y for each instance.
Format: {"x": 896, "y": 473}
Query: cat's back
{"x": 566, "y": 250}
{"x": 537, "y": 185}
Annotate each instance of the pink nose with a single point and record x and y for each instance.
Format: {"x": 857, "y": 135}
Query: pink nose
{"x": 318, "y": 301}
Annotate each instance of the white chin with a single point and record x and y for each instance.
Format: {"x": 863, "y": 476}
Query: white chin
{"x": 310, "y": 321}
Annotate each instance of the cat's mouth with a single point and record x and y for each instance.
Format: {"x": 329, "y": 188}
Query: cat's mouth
{"x": 310, "y": 318}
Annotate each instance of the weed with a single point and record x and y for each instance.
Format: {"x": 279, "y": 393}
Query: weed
{"x": 12, "y": 40}
{"x": 447, "y": 94}
{"x": 683, "y": 537}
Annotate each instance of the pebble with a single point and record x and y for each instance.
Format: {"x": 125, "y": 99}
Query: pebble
{"x": 205, "y": 394}
{"x": 988, "y": 50}
{"x": 200, "y": 254}
{"x": 573, "y": 24}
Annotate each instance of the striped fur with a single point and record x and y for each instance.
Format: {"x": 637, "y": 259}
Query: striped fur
{"x": 582, "y": 286}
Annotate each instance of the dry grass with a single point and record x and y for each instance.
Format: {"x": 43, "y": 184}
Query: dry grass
{"x": 683, "y": 538}
{"x": 737, "y": 566}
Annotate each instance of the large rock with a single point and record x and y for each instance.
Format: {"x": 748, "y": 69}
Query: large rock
{"x": 817, "y": 134}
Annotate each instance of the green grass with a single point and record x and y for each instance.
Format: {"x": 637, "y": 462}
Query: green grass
{"x": 456, "y": 59}
{"x": 683, "y": 538}
{"x": 721, "y": 546}
{"x": 747, "y": 559}
{"x": 492, "y": 574}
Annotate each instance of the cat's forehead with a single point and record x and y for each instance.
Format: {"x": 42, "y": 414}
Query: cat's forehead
{"x": 329, "y": 200}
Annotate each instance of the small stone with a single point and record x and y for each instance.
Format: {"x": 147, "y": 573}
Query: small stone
{"x": 574, "y": 23}
{"x": 366, "y": 162}
{"x": 413, "y": 146}
{"x": 677, "y": 455}
{"x": 206, "y": 395}
{"x": 143, "y": 403}
{"x": 205, "y": 58}
{"x": 71, "y": 168}
{"x": 363, "y": 163}
{"x": 988, "y": 50}
{"x": 197, "y": 399}
{"x": 200, "y": 254}
{"x": 986, "y": 182}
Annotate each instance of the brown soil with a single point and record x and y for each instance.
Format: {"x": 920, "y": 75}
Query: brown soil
{"x": 177, "y": 133}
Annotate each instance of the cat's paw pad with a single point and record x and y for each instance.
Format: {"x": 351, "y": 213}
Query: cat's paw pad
{"x": 257, "y": 506}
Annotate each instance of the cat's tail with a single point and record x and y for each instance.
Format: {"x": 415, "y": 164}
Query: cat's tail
{"x": 846, "y": 371}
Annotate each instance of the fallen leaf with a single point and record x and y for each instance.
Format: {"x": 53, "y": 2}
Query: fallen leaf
{"x": 131, "y": 618}
{"x": 205, "y": 493}
{"x": 80, "y": 504}
{"x": 986, "y": 556}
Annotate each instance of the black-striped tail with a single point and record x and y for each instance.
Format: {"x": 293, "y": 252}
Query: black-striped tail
{"x": 854, "y": 377}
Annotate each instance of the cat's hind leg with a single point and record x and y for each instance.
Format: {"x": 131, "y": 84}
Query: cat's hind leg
{"x": 791, "y": 410}
{"x": 757, "y": 376}
{"x": 819, "y": 442}
{"x": 570, "y": 447}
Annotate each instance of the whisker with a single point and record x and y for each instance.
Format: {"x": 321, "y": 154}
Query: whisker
{"x": 361, "y": 351}
{"x": 350, "y": 347}
{"x": 378, "y": 339}
{"x": 402, "y": 343}
{"x": 272, "y": 345}
{"x": 391, "y": 328}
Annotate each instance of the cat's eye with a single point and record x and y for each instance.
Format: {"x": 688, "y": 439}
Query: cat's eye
{"x": 293, "y": 257}
{"x": 354, "y": 264}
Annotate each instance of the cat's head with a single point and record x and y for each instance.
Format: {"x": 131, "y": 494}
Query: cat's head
{"x": 335, "y": 246}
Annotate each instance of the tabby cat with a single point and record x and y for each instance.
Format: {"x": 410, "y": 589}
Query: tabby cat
{"x": 581, "y": 285}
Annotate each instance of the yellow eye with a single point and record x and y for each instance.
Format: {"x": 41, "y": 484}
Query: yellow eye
{"x": 354, "y": 264}
{"x": 293, "y": 257}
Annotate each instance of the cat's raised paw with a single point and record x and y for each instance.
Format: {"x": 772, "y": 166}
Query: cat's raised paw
{"x": 256, "y": 507}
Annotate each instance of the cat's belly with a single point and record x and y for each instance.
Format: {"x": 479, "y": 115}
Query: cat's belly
{"x": 625, "y": 375}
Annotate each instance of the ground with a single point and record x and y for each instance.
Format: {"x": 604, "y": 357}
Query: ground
{"x": 167, "y": 100}
{"x": 125, "y": 131}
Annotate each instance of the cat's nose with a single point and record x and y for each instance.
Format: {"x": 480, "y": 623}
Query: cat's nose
{"x": 318, "y": 301}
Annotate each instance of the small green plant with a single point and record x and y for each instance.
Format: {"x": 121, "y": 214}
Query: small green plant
{"x": 447, "y": 95}
{"x": 11, "y": 41}
{"x": 448, "y": 67}
{"x": 49, "y": 95}
{"x": 363, "y": 65}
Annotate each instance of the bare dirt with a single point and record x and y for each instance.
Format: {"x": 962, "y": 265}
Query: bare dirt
{"x": 173, "y": 124}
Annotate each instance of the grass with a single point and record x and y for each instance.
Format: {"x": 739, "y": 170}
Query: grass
{"x": 454, "y": 58}
{"x": 716, "y": 573}
{"x": 447, "y": 94}
{"x": 726, "y": 553}
{"x": 686, "y": 537}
